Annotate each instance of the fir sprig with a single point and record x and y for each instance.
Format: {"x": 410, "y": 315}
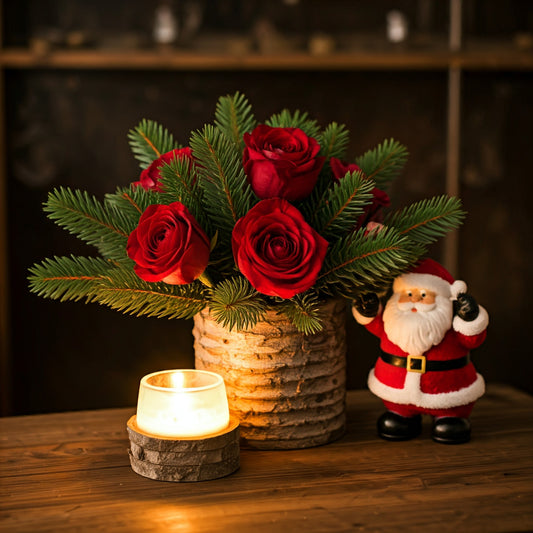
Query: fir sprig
{"x": 383, "y": 163}
{"x": 69, "y": 278}
{"x": 343, "y": 204}
{"x": 179, "y": 183}
{"x": 363, "y": 261}
{"x": 236, "y": 304}
{"x": 303, "y": 310}
{"x": 103, "y": 226}
{"x": 334, "y": 141}
{"x": 426, "y": 221}
{"x": 149, "y": 140}
{"x": 124, "y": 291}
{"x": 296, "y": 119}
{"x": 234, "y": 117}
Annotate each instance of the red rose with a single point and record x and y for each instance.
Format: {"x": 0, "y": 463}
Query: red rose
{"x": 277, "y": 251}
{"x": 340, "y": 168}
{"x": 373, "y": 211}
{"x": 150, "y": 176}
{"x": 168, "y": 245}
{"x": 281, "y": 162}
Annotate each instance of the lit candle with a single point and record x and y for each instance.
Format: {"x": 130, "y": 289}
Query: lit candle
{"x": 182, "y": 404}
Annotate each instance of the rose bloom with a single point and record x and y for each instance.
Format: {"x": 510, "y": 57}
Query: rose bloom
{"x": 151, "y": 176}
{"x": 373, "y": 211}
{"x": 281, "y": 162}
{"x": 168, "y": 245}
{"x": 276, "y": 250}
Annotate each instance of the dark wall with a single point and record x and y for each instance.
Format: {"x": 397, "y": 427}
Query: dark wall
{"x": 69, "y": 128}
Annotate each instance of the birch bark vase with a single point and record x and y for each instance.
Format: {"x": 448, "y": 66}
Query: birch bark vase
{"x": 286, "y": 389}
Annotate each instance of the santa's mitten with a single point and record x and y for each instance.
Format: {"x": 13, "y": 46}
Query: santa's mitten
{"x": 466, "y": 307}
{"x": 367, "y": 305}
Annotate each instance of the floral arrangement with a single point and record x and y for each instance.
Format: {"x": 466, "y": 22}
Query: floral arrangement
{"x": 245, "y": 218}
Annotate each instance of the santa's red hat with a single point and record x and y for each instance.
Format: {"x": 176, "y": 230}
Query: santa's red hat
{"x": 430, "y": 275}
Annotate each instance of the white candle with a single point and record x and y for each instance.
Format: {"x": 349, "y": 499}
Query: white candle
{"x": 182, "y": 404}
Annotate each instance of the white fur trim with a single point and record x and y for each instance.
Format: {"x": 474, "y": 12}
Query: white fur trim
{"x": 458, "y": 287}
{"x": 412, "y": 395}
{"x": 474, "y": 327}
{"x": 363, "y": 320}
{"x": 422, "y": 281}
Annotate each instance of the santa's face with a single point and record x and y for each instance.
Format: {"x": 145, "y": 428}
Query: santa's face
{"x": 416, "y": 319}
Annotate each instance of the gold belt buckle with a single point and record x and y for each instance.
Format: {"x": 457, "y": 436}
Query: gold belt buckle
{"x": 413, "y": 359}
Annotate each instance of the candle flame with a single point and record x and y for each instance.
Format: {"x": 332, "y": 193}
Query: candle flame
{"x": 177, "y": 380}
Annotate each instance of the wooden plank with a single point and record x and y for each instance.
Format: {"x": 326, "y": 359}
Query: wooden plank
{"x": 498, "y": 59}
{"x": 71, "y": 471}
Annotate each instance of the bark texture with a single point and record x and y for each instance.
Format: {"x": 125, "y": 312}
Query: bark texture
{"x": 200, "y": 459}
{"x": 286, "y": 389}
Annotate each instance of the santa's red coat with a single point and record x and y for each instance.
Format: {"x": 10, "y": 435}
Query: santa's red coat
{"x": 433, "y": 389}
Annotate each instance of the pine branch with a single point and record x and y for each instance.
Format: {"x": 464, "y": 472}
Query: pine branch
{"x": 236, "y": 304}
{"x": 286, "y": 119}
{"x": 343, "y": 203}
{"x": 149, "y": 140}
{"x": 366, "y": 261}
{"x": 180, "y": 184}
{"x": 303, "y": 311}
{"x": 234, "y": 117}
{"x": 334, "y": 141}
{"x": 384, "y": 163}
{"x": 227, "y": 196}
{"x": 131, "y": 202}
{"x": 426, "y": 221}
{"x": 83, "y": 215}
{"x": 124, "y": 291}
{"x": 68, "y": 278}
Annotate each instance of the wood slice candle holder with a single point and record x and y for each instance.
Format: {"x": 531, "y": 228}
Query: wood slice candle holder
{"x": 184, "y": 459}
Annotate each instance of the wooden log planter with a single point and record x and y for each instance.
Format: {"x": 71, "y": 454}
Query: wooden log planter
{"x": 286, "y": 389}
{"x": 186, "y": 459}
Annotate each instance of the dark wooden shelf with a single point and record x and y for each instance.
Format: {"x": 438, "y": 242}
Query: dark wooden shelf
{"x": 400, "y": 59}
{"x": 71, "y": 471}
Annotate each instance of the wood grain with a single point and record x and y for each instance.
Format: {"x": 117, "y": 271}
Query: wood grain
{"x": 70, "y": 472}
{"x": 479, "y": 58}
{"x": 188, "y": 459}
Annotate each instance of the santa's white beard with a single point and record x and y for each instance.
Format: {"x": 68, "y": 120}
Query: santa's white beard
{"x": 415, "y": 333}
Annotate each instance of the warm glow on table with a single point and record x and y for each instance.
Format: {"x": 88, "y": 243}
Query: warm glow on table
{"x": 182, "y": 403}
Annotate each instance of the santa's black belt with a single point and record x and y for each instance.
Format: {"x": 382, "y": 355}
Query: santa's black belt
{"x": 419, "y": 364}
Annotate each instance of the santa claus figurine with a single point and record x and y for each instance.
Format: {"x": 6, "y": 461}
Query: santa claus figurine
{"x": 427, "y": 329}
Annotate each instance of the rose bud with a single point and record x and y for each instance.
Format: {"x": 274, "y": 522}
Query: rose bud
{"x": 151, "y": 176}
{"x": 168, "y": 245}
{"x": 276, "y": 250}
{"x": 281, "y": 162}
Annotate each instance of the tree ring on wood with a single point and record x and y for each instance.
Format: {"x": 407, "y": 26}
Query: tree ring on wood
{"x": 184, "y": 459}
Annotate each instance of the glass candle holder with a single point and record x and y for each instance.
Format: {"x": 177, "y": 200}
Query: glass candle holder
{"x": 182, "y": 404}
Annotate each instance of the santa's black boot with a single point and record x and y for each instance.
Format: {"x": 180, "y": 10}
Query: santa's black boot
{"x": 451, "y": 430}
{"x": 392, "y": 426}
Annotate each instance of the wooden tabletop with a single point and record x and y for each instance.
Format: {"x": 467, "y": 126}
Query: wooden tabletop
{"x": 70, "y": 472}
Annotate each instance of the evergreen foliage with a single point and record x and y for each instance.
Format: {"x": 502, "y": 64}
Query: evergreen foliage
{"x": 344, "y": 204}
{"x": 214, "y": 188}
{"x": 236, "y": 304}
{"x": 334, "y": 141}
{"x": 303, "y": 310}
{"x": 234, "y": 117}
{"x": 383, "y": 163}
{"x": 286, "y": 119}
{"x": 149, "y": 140}
{"x": 426, "y": 221}
{"x": 104, "y": 227}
